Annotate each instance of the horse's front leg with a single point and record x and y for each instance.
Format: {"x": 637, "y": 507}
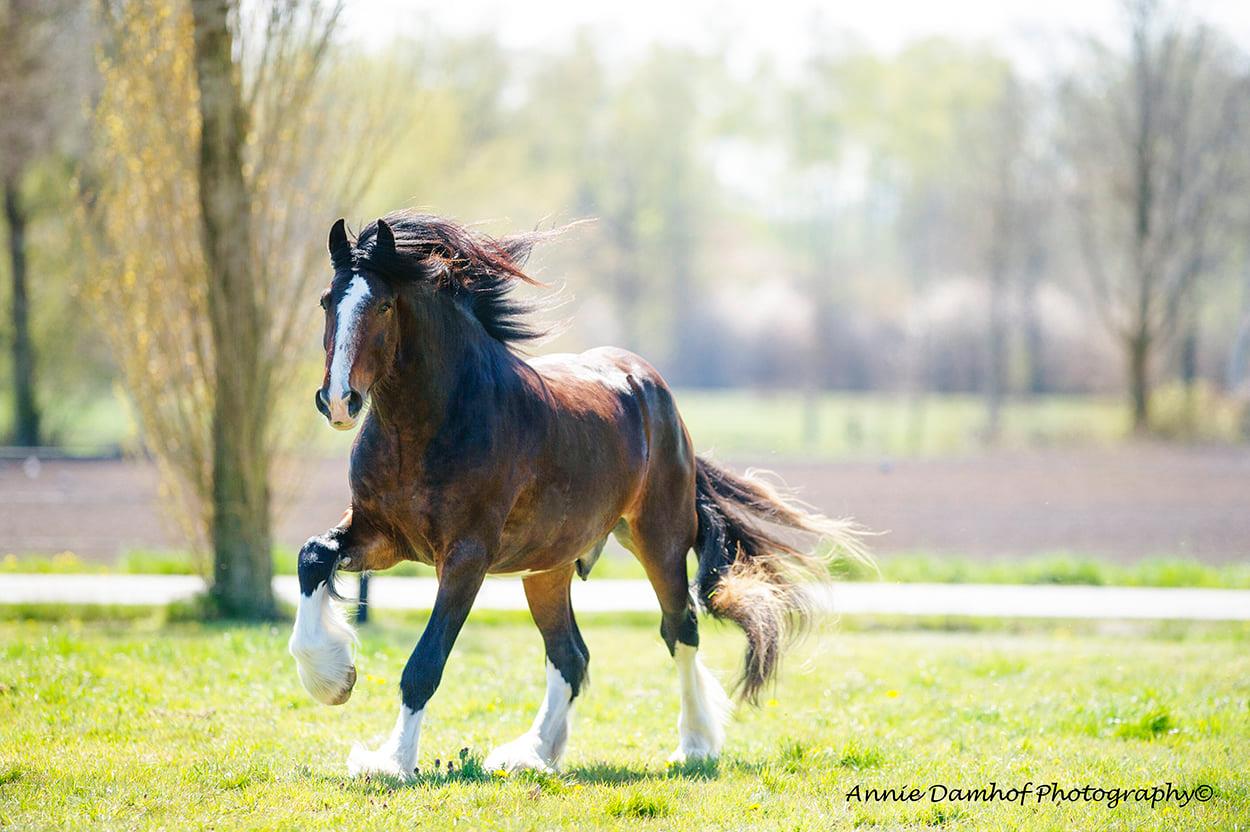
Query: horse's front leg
{"x": 460, "y": 578}
{"x": 322, "y": 641}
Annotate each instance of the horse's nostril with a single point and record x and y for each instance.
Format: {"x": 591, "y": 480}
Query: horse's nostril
{"x": 354, "y": 402}
{"x": 323, "y": 404}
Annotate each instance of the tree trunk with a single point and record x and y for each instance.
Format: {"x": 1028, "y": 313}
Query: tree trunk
{"x": 627, "y": 285}
{"x": 684, "y": 360}
{"x": 25, "y": 410}
{"x": 996, "y": 351}
{"x": 1238, "y": 356}
{"x": 239, "y": 525}
{"x": 1189, "y": 373}
{"x": 1031, "y": 324}
{"x": 1139, "y": 381}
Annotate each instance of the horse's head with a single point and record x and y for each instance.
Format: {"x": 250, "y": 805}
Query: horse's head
{"x": 361, "y": 329}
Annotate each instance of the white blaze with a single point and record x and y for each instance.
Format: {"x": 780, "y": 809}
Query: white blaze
{"x": 347, "y": 320}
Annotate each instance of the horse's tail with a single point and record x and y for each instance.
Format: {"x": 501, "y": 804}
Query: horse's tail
{"x": 754, "y": 568}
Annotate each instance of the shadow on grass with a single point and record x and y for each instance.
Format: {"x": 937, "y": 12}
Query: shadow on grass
{"x": 614, "y": 774}
{"x": 470, "y": 771}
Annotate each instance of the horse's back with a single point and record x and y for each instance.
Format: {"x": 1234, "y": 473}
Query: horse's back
{"x": 618, "y": 385}
{"x": 627, "y": 395}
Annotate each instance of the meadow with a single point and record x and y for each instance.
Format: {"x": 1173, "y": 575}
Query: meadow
{"x": 149, "y": 724}
{"x": 822, "y": 425}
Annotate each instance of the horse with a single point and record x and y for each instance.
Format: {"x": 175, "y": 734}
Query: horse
{"x": 477, "y": 460}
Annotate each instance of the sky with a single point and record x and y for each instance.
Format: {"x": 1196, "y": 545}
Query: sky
{"x": 1030, "y": 31}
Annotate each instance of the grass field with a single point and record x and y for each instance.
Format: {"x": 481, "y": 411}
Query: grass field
{"x": 749, "y": 421}
{"x": 860, "y": 424}
{"x": 145, "y": 726}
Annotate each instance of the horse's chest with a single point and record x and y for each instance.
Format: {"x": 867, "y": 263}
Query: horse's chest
{"x": 429, "y": 517}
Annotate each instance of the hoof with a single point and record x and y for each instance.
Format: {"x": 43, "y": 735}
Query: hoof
{"x": 364, "y": 763}
{"x": 518, "y": 755}
{"x": 682, "y": 756}
{"x": 346, "y": 692}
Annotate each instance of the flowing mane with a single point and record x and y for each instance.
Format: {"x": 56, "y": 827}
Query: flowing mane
{"x": 477, "y": 270}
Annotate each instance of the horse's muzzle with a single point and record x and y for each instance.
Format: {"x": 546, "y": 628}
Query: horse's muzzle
{"x": 341, "y": 411}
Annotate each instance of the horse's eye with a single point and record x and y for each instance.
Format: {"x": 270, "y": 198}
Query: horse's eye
{"x": 385, "y": 306}
{"x": 325, "y": 301}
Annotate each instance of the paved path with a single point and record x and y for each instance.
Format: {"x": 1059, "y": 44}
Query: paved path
{"x": 636, "y": 596}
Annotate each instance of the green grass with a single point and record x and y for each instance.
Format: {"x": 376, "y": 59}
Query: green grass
{"x": 1059, "y": 568}
{"x": 145, "y": 726}
{"x": 759, "y": 422}
{"x": 867, "y": 424}
{"x": 916, "y": 567}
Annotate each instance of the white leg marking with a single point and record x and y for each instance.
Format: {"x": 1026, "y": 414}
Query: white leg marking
{"x": 322, "y": 643}
{"x": 397, "y": 757}
{"x": 540, "y": 747}
{"x": 347, "y": 317}
{"x": 704, "y": 709}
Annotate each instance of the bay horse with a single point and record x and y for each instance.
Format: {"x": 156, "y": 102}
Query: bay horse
{"x": 477, "y": 460}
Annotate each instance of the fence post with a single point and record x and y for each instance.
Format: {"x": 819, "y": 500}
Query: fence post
{"x": 362, "y": 607}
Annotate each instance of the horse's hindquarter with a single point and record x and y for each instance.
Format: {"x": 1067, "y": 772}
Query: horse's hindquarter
{"x": 594, "y": 461}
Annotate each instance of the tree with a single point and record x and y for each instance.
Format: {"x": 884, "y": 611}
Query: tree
{"x": 628, "y": 149}
{"x": 1154, "y": 139}
{"x": 206, "y": 268}
{"x": 28, "y": 99}
{"x": 1005, "y": 189}
{"x": 242, "y": 568}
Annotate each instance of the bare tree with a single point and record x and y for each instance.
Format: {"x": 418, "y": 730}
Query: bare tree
{"x": 1152, "y": 147}
{"x": 206, "y": 268}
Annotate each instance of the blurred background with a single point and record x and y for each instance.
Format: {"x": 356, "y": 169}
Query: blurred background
{"x": 977, "y": 273}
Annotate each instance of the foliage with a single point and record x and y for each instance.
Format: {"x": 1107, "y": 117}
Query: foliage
{"x": 1199, "y": 412}
{"x": 146, "y": 264}
{"x": 148, "y": 267}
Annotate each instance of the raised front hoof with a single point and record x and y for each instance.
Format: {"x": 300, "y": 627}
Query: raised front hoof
{"x": 346, "y": 693}
{"x": 324, "y": 690}
{"x": 362, "y": 762}
{"x": 518, "y": 755}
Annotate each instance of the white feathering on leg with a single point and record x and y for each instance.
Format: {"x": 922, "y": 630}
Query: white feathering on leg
{"x": 322, "y": 643}
{"x": 542, "y": 746}
{"x": 397, "y": 757}
{"x": 704, "y": 709}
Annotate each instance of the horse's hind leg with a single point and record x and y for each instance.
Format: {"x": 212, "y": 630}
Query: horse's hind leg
{"x": 661, "y": 539}
{"x": 543, "y": 744}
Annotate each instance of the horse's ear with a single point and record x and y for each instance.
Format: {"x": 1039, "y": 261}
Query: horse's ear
{"x": 386, "y": 237}
{"x": 340, "y": 247}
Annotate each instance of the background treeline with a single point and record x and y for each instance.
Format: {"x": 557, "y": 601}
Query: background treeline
{"x": 930, "y": 220}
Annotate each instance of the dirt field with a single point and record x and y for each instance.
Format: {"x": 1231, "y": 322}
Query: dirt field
{"x": 1124, "y": 503}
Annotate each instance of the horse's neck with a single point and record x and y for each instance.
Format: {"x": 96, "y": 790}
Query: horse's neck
{"x": 439, "y": 357}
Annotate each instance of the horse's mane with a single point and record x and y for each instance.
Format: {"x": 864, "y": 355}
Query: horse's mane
{"x": 477, "y": 270}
